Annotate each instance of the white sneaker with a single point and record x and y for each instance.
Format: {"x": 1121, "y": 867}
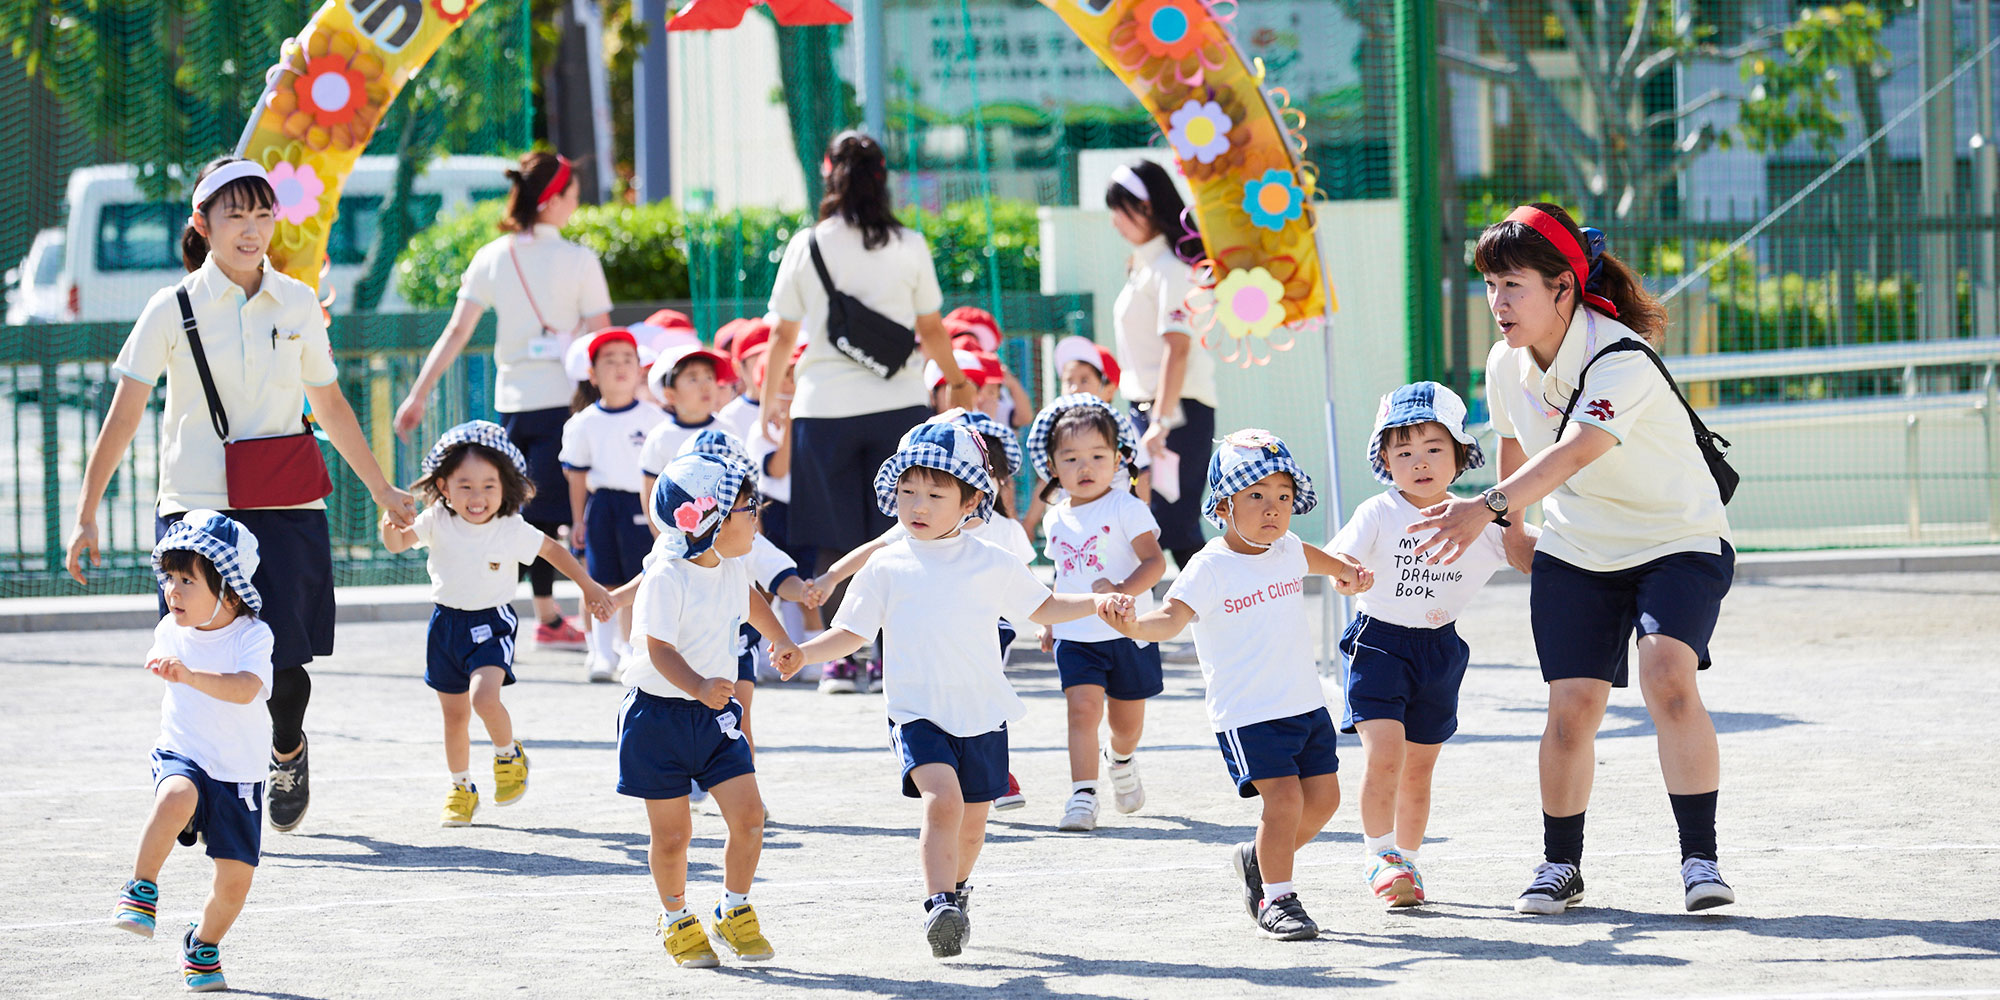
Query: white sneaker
{"x": 1080, "y": 815}
{"x": 1126, "y": 792}
{"x": 601, "y": 671}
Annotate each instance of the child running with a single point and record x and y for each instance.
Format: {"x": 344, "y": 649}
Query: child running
{"x": 212, "y": 754}
{"x": 934, "y": 596}
{"x": 600, "y": 459}
{"x": 1244, "y": 593}
{"x": 1102, "y": 541}
{"x": 680, "y": 720}
{"x": 474, "y": 485}
{"x": 1405, "y": 661}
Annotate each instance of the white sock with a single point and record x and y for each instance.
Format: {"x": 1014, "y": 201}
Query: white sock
{"x": 732, "y": 900}
{"x": 1116, "y": 759}
{"x": 1272, "y": 890}
{"x": 603, "y": 640}
{"x": 1376, "y": 845}
{"x": 503, "y": 751}
{"x": 462, "y": 778}
{"x": 1409, "y": 854}
{"x": 678, "y": 912}
{"x": 1083, "y": 786}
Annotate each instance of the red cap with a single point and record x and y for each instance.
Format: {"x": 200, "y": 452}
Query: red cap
{"x": 1108, "y": 365}
{"x": 749, "y": 333}
{"x": 990, "y": 363}
{"x": 977, "y": 321}
{"x": 671, "y": 319}
{"x": 611, "y": 335}
{"x": 967, "y": 341}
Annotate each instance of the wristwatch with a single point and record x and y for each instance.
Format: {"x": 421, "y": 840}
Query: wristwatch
{"x": 1496, "y": 502}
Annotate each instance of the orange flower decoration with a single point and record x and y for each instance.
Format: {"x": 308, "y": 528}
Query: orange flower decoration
{"x": 335, "y": 102}
{"x": 330, "y": 91}
{"x": 454, "y": 11}
{"x": 1170, "y": 29}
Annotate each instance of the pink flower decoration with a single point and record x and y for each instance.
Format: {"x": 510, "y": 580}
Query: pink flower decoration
{"x": 687, "y": 516}
{"x": 704, "y": 504}
{"x": 299, "y": 190}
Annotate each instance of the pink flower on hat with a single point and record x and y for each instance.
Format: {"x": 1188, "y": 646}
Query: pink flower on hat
{"x": 687, "y": 516}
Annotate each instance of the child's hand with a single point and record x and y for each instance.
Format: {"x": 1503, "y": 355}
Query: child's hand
{"x": 599, "y": 601}
{"x": 576, "y": 538}
{"x": 1103, "y": 586}
{"x": 169, "y": 669}
{"x": 787, "y": 658}
{"x": 1047, "y": 638}
{"x": 814, "y": 595}
{"x": 716, "y": 692}
{"x": 1351, "y": 577}
{"x": 1115, "y": 609}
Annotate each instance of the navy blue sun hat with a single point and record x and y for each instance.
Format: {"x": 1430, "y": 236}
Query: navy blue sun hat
{"x": 222, "y": 541}
{"x": 1422, "y": 403}
{"x": 1245, "y": 457}
{"x": 950, "y": 448}
{"x": 1045, "y": 421}
{"x": 690, "y": 500}
{"x": 718, "y": 443}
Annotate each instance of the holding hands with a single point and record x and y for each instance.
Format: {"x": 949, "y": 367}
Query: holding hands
{"x": 1114, "y": 608}
{"x": 600, "y": 602}
{"x": 787, "y": 658}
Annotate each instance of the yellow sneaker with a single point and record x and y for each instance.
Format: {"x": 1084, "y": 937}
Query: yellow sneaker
{"x": 688, "y": 943}
{"x": 460, "y": 805}
{"x": 510, "y": 776}
{"x": 738, "y": 929}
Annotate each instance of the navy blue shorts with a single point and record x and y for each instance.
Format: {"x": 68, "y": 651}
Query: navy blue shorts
{"x": 1007, "y": 635}
{"x": 833, "y": 475}
{"x": 1583, "y": 620}
{"x": 294, "y": 577}
{"x": 1125, "y": 670}
{"x": 538, "y": 433}
{"x": 664, "y": 743}
{"x": 1410, "y": 675}
{"x": 1299, "y": 746}
{"x": 746, "y": 668}
{"x": 464, "y": 641}
{"x": 616, "y": 537}
{"x": 776, "y": 520}
{"x": 981, "y": 761}
{"x": 227, "y": 814}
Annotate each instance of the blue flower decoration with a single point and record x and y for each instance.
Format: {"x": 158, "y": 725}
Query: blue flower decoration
{"x": 1273, "y": 200}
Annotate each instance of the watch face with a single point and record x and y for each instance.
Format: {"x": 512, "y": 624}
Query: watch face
{"x": 1496, "y": 500}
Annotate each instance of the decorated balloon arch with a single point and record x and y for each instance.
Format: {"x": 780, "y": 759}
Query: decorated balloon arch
{"x": 1239, "y": 143}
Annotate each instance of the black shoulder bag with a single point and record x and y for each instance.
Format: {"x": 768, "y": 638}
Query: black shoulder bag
{"x": 1714, "y": 447}
{"x": 872, "y": 340}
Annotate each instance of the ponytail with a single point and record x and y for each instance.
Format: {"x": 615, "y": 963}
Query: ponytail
{"x": 1512, "y": 245}
{"x": 1162, "y": 208}
{"x": 530, "y": 182}
{"x": 857, "y": 187}
{"x": 251, "y": 192}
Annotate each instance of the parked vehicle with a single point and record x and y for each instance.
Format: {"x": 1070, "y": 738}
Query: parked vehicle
{"x": 36, "y": 291}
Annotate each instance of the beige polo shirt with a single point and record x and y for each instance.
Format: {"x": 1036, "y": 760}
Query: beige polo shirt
{"x": 896, "y": 279}
{"x": 1152, "y": 304}
{"x": 263, "y": 351}
{"x": 1649, "y": 496}
{"x": 558, "y": 283}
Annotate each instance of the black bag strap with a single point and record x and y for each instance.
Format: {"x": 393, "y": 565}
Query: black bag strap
{"x": 1701, "y": 431}
{"x": 819, "y": 263}
{"x": 217, "y": 418}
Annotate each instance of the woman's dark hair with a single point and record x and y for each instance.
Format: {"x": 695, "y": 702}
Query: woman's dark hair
{"x": 1516, "y": 246}
{"x": 525, "y": 197}
{"x": 1393, "y": 437}
{"x": 187, "y": 562}
{"x": 516, "y": 489}
{"x": 1162, "y": 207}
{"x": 857, "y": 188}
{"x": 1081, "y": 420}
{"x": 243, "y": 192}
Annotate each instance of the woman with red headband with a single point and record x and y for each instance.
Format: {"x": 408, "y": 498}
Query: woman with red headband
{"x": 1633, "y": 534}
{"x": 546, "y": 291}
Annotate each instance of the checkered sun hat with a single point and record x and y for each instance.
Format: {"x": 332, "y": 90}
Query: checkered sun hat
{"x": 983, "y": 424}
{"x": 1045, "y": 422}
{"x": 1245, "y": 457}
{"x": 951, "y": 448}
{"x": 485, "y": 433}
{"x": 718, "y": 443}
{"x": 691, "y": 499}
{"x": 1422, "y": 403}
{"x": 220, "y": 540}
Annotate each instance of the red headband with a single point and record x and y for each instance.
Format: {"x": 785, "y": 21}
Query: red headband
{"x": 557, "y": 184}
{"x": 1558, "y": 235}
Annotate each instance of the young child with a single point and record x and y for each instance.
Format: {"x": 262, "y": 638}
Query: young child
{"x": 1101, "y": 540}
{"x": 743, "y": 337}
{"x": 474, "y": 484}
{"x": 1004, "y": 398}
{"x": 771, "y": 454}
{"x": 1405, "y": 660}
{"x": 968, "y": 364}
{"x": 679, "y": 724}
{"x": 1244, "y": 592}
{"x": 1134, "y": 473}
{"x": 688, "y": 378}
{"x": 600, "y": 458}
{"x": 935, "y": 596}
{"x": 212, "y": 754}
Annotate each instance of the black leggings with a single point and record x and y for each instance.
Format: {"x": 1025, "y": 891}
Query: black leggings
{"x": 542, "y": 575}
{"x": 291, "y": 688}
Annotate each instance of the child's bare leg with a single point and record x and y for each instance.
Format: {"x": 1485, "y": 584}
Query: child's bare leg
{"x": 971, "y": 836}
{"x": 1086, "y": 710}
{"x": 944, "y": 825}
{"x": 1320, "y": 798}
{"x": 1278, "y": 827}
{"x": 173, "y": 805}
{"x": 744, "y": 691}
{"x": 1382, "y": 743}
{"x": 1128, "y": 722}
{"x": 486, "y": 682}
{"x": 667, "y": 854}
{"x": 1413, "y": 800}
{"x": 743, "y": 810}
{"x": 814, "y": 621}
{"x": 225, "y": 899}
{"x": 457, "y": 731}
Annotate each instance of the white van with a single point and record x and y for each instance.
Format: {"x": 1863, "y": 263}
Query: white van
{"x": 35, "y": 286}
{"x": 122, "y": 247}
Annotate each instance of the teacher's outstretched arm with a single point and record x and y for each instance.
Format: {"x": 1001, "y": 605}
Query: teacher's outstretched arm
{"x": 329, "y": 406}
{"x": 1458, "y": 522}
{"x": 121, "y": 425}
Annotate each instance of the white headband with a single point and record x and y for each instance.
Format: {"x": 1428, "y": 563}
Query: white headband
{"x": 1128, "y": 179}
{"x": 223, "y": 175}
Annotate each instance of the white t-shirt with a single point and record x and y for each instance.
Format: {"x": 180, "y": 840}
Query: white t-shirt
{"x": 1650, "y": 496}
{"x": 1250, "y": 632}
{"x": 1005, "y": 532}
{"x": 475, "y": 566}
{"x": 777, "y": 488}
{"x": 231, "y": 742}
{"x": 737, "y": 415}
{"x": 696, "y": 609}
{"x": 935, "y": 603}
{"x": 604, "y": 444}
{"x": 767, "y": 563}
{"x": 664, "y": 441}
{"x": 564, "y": 282}
{"x": 1153, "y": 304}
{"x": 896, "y": 280}
{"x": 1093, "y": 542}
{"x": 262, "y": 353}
{"x": 1408, "y": 591}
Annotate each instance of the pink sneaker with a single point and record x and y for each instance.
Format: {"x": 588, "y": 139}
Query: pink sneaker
{"x": 561, "y": 635}
{"x": 1013, "y": 799}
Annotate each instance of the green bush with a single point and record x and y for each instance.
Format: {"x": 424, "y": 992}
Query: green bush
{"x": 650, "y": 252}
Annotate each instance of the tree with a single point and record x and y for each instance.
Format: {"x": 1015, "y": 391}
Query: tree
{"x": 1792, "y": 91}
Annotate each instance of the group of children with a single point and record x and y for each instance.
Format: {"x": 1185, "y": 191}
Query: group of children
{"x": 670, "y": 490}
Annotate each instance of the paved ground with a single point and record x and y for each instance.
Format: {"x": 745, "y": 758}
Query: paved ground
{"x": 1858, "y": 824}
